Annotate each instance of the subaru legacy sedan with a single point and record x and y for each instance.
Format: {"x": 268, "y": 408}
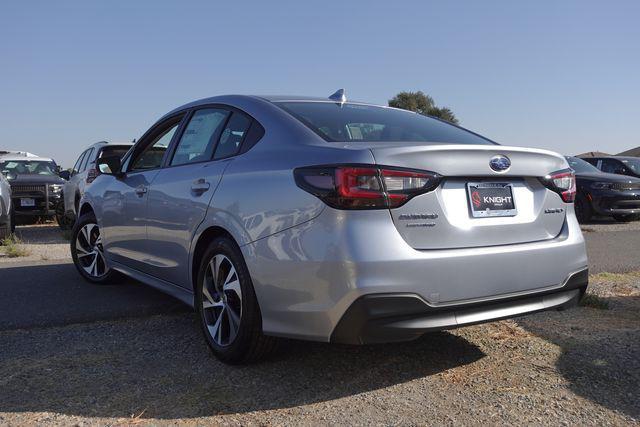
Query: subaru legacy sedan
{"x": 328, "y": 220}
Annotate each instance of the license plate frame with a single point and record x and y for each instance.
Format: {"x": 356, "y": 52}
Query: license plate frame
{"x": 481, "y": 209}
{"x": 28, "y": 203}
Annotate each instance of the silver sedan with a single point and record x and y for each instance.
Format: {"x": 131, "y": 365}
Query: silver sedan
{"x": 329, "y": 220}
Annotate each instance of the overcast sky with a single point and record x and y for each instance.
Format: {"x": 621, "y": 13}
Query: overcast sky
{"x": 563, "y": 75}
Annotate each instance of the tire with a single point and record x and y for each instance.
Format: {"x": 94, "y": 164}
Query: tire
{"x": 61, "y": 218}
{"x": 584, "y": 212}
{"x": 231, "y": 322}
{"x": 626, "y": 218}
{"x": 87, "y": 252}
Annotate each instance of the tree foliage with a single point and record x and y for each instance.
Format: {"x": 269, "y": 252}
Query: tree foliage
{"x": 422, "y": 103}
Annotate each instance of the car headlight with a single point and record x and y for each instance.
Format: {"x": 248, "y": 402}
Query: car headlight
{"x": 55, "y": 188}
{"x": 602, "y": 185}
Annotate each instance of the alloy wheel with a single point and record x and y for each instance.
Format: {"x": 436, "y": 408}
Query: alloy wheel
{"x": 90, "y": 252}
{"x": 222, "y": 300}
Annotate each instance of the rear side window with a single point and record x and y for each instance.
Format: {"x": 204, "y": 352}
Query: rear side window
{"x": 76, "y": 167}
{"x": 365, "y": 123}
{"x": 200, "y": 136}
{"x": 232, "y": 136}
{"x": 114, "y": 150}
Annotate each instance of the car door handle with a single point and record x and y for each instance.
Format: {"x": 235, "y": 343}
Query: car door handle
{"x": 200, "y": 186}
{"x": 141, "y": 190}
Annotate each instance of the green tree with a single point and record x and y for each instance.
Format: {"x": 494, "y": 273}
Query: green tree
{"x": 422, "y": 103}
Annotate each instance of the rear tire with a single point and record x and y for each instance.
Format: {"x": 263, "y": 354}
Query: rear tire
{"x": 227, "y": 306}
{"x": 584, "y": 213}
{"x": 87, "y": 252}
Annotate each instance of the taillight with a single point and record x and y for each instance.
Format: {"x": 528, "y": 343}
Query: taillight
{"x": 92, "y": 174}
{"x": 364, "y": 186}
{"x": 562, "y": 182}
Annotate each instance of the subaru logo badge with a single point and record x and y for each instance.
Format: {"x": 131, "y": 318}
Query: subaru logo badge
{"x": 500, "y": 163}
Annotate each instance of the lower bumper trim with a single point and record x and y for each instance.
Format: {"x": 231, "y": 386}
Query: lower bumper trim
{"x": 379, "y": 318}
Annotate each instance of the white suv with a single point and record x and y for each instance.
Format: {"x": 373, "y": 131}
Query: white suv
{"x": 83, "y": 173}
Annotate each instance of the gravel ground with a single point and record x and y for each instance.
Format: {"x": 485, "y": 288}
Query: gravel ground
{"x": 42, "y": 242}
{"x": 578, "y": 367}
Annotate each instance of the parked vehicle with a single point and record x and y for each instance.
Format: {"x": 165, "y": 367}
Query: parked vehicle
{"x": 334, "y": 221}
{"x": 604, "y": 194}
{"x": 7, "y": 225}
{"x": 36, "y": 187}
{"x": 84, "y": 172}
{"x": 617, "y": 165}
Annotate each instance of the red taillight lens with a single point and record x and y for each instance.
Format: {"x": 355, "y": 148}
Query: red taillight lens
{"x": 92, "y": 174}
{"x": 562, "y": 182}
{"x": 364, "y": 187}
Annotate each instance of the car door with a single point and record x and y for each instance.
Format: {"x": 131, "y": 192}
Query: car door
{"x": 181, "y": 193}
{"x": 124, "y": 205}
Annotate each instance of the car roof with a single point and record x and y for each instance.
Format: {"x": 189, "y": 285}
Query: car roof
{"x": 233, "y": 99}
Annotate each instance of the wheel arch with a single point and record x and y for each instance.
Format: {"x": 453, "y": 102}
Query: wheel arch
{"x": 203, "y": 240}
{"x": 85, "y": 208}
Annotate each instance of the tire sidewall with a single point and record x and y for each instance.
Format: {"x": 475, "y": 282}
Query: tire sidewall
{"x": 250, "y": 319}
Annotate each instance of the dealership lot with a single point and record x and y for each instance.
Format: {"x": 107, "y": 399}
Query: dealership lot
{"x": 75, "y": 353}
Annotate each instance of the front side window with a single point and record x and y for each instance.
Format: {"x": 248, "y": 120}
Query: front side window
{"x": 366, "y": 123}
{"x": 232, "y": 136}
{"x": 199, "y": 137}
{"x": 152, "y": 155}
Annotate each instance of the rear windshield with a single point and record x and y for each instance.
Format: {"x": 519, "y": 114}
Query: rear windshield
{"x": 581, "y": 166}
{"x": 366, "y": 123}
{"x": 114, "y": 150}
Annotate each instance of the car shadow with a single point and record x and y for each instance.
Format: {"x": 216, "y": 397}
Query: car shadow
{"x": 159, "y": 365}
{"x": 600, "y": 351}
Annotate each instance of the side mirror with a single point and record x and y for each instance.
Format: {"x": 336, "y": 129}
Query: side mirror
{"x": 66, "y": 175}
{"x": 109, "y": 165}
{"x": 620, "y": 171}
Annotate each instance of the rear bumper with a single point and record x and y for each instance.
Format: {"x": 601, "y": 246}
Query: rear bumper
{"x": 383, "y": 318}
{"x": 307, "y": 277}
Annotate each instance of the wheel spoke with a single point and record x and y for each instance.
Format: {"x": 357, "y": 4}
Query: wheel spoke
{"x": 215, "y": 329}
{"x": 234, "y": 322}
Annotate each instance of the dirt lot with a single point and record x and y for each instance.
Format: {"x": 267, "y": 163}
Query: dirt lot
{"x": 578, "y": 367}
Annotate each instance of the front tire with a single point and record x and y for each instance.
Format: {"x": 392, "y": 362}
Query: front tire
{"x": 227, "y": 306}
{"x": 88, "y": 254}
